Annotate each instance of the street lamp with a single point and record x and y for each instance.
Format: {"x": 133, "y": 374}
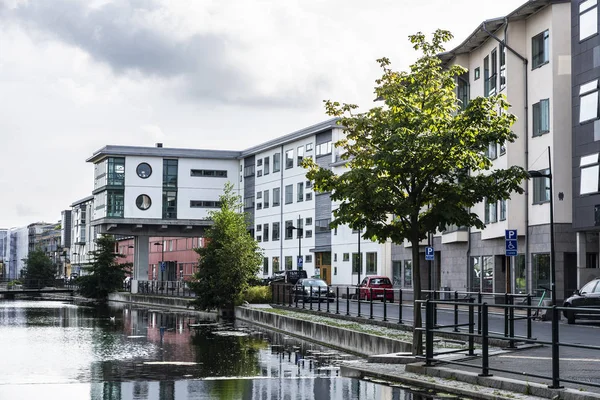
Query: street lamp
{"x": 538, "y": 174}
{"x": 162, "y": 260}
{"x": 300, "y": 233}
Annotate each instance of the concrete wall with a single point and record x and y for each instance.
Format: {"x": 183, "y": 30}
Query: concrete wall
{"x": 355, "y": 342}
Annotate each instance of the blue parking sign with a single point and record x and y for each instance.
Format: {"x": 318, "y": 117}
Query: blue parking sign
{"x": 511, "y": 242}
{"x": 429, "y": 253}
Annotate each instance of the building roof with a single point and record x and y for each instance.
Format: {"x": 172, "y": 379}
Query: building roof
{"x": 480, "y": 36}
{"x": 81, "y": 201}
{"x": 112, "y": 150}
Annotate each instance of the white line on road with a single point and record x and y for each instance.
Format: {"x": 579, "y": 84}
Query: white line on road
{"x": 550, "y": 358}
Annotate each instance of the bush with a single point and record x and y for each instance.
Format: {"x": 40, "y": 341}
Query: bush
{"x": 258, "y": 294}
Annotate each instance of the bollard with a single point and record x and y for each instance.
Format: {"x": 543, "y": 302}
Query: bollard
{"x": 528, "y": 316}
{"x": 358, "y": 315}
{"x": 506, "y": 315}
{"x": 511, "y": 323}
{"x": 428, "y": 333}
{"x": 337, "y": 300}
{"x": 384, "y": 306}
{"x": 347, "y": 300}
{"x": 400, "y": 306}
{"x": 310, "y": 294}
{"x": 485, "y": 360}
{"x": 555, "y": 350}
{"x": 455, "y": 311}
{"x": 296, "y": 298}
{"x": 319, "y": 298}
{"x": 479, "y": 301}
{"x": 327, "y": 299}
{"x": 434, "y": 308}
{"x": 371, "y": 303}
{"x": 471, "y": 328}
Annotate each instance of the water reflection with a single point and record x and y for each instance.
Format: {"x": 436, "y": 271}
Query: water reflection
{"x": 62, "y": 351}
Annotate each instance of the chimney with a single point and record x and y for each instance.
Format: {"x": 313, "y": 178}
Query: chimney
{"x": 158, "y": 144}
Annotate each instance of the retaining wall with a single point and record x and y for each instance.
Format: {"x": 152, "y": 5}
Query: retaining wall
{"x": 344, "y": 339}
{"x": 173, "y": 303}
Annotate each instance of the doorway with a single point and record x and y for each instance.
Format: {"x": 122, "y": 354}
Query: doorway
{"x": 323, "y": 266}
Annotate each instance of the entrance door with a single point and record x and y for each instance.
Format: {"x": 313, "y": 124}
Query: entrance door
{"x": 323, "y": 263}
{"x": 326, "y": 274}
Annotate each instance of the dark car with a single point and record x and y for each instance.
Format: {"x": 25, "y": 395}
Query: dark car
{"x": 587, "y": 297}
{"x": 374, "y": 286}
{"x": 309, "y": 289}
{"x": 289, "y": 276}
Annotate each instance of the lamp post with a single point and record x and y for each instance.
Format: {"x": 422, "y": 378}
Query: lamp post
{"x": 538, "y": 174}
{"x": 359, "y": 261}
{"x": 162, "y": 259}
{"x": 299, "y": 263}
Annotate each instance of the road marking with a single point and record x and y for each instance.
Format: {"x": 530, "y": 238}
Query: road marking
{"x": 550, "y": 358}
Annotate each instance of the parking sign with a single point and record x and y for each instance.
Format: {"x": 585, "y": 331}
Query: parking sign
{"x": 429, "y": 253}
{"x": 511, "y": 243}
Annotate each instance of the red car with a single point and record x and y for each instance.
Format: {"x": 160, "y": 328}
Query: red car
{"x": 377, "y": 283}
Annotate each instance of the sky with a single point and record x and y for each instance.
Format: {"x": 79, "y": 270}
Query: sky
{"x": 76, "y": 75}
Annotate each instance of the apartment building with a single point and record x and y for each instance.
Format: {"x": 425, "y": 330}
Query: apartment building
{"x": 585, "y": 134}
{"x": 82, "y": 235}
{"x": 526, "y": 56}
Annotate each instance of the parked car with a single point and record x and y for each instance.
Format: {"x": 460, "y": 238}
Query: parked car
{"x": 309, "y": 289}
{"x": 374, "y": 285}
{"x": 586, "y": 297}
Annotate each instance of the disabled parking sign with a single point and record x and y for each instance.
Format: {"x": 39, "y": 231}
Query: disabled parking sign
{"x": 511, "y": 243}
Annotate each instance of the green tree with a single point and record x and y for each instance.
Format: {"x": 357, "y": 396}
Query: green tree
{"x": 104, "y": 275}
{"x": 418, "y": 162}
{"x": 230, "y": 259}
{"x": 39, "y": 269}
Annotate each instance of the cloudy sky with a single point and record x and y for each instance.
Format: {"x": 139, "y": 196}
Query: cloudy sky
{"x": 216, "y": 74}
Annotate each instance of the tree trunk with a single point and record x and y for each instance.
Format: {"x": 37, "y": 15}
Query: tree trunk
{"x": 416, "y": 265}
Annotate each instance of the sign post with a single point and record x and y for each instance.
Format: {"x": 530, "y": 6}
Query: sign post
{"x": 511, "y": 247}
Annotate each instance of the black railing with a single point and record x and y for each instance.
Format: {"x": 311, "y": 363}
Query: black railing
{"x": 484, "y": 334}
{"x": 165, "y": 288}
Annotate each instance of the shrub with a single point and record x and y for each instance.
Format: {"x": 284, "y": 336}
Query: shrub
{"x": 258, "y": 294}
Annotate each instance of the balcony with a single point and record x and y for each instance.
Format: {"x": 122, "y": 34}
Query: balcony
{"x": 455, "y": 234}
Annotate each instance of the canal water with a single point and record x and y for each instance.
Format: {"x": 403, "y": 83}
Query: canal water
{"x": 54, "y": 350}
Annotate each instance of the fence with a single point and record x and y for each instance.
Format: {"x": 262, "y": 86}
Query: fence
{"x": 165, "y": 288}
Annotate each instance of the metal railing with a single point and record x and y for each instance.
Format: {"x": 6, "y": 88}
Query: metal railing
{"x": 165, "y": 288}
{"x": 485, "y": 335}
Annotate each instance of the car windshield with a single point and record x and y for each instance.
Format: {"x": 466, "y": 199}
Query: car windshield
{"x": 313, "y": 282}
{"x": 589, "y": 288}
{"x": 380, "y": 281}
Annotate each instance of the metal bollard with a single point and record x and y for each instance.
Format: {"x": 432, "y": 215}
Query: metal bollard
{"x": 506, "y": 315}
{"x": 511, "y": 323}
{"x": 485, "y": 360}
{"x": 358, "y": 303}
{"x": 384, "y": 305}
{"x": 319, "y": 298}
{"x": 471, "y": 328}
{"x": 528, "y": 316}
{"x": 327, "y": 299}
{"x": 371, "y": 303}
{"x": 479, "y": 301}
{"x": 455, "y": 311}
{"x": 400, "y": 306}
{"x": 310, "y": 294}
{"x": 337, "y": 300}
{"x": 347, "y": 300}
{"x": 296, "y": 299}
{"x": 428, "y": 333}
{"x": 555, "y": 350}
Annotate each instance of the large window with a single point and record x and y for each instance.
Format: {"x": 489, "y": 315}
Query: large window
{"x": 486, "y": 76}
{"x": 541, "y": 117}
{"x": 300, "y": 194}
{"x": 356, "y": 264}
{"x": 289, "y": 194}
{"x": 588, "y": 101}
{"x": 407, "y": 273}
{"x": 275, "y": 230}
{"x": 588, "y": 19}
{"x": 266, "y": 199}
{"x": 502, "y": 210}
{"x": 266, "y": 166}
{"x": 590, "y": 174}
{"x": 265, "y": 232}
{"x": 397, "y": 273}
{"x": 541, "y": 271}
{"x": 288, "y": 262}
{"x": 266, "y": 266}
{"x": 115, "y": 203}
{"x": 462, "y": 92}
{"x": 276, "y": 196}
{"x": 289, "y": 232}
{"x": 371, "y": 263}
{"x": 322, "y": 225}
{"x": 482, "y": 274}
{"x": 249, "y": 202}
{"x": 323, "y": 149}
{"x": 249, "y": 171}
{"x": 299, "y": 228}
{"x": 491, "y": 211}
{"x": 520, "y": 275}
{"x": 116, "y": 171}
{"x": 502, "y": 67}
{"x": 276, "y": 162}
{"x": 169, "y": 204}
{"x": 300, "y": 155}
{"x": 494, "y": 75}
{"x": 540, "y": 49}
{"x": 210, "y": 173}
{"x": 541, "y": 189}
{"x": 289, "y": 159}
{"x": 170, "y": 173}
{"x": 275, "y": 264}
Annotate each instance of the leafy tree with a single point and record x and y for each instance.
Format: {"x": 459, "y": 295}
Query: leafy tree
{"x": 418, "y": 162}
{"x": 105, "y": 275}
{"x": 230, "y": 259}
{"x": 39, "y": 270}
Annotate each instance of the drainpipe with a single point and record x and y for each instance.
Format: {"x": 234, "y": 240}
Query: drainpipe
{"x": 525, "y": 63}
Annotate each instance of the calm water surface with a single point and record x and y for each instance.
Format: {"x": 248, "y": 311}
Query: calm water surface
{"x": 53, "y": 350}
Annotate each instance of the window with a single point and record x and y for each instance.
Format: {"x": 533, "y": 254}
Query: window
{"x": 205, "y": 204}
{"x": 266, "y": 266}
{"x": 276, "y": 196}
{"x": 486, "y": 76}
{"x": 143, "y": 202}
{"x": 490, "y": 212}
{"x": 288, "y": 229}
{"x": 208, "y": 173}
{"x": 541, "y": 189}
{"x": 288, "y": 262}
{"x": 266, "y": 232}
{"x": 169, "y": 204}
{"x": 308, "y": 196}
{"x": 300, "y": 194}
{"x": 356, "y": 263}
{"x": 477, "y": 73}
{"x": 502, "y": 210}
{"x": 115, "y": 203}
{"x": 462, "y": 92}
{"x": 309, "y": 147}
{"x": 289, "y": 194}
{"x": 308, "y": 258}
{"x": 588, "y": 19}
{"x": 494, "y": 75}
{"x": 322, "y": 225}
{"x": 502, "y": 67}
{"x": 323, "y": 149}
{"x": 407, "y": 273}
{"x": 588, "y": 101}
{"x": 259, "y": 206}
{"x": 590, "y": 173}
{"x": 541, "y": 117}
{"x": 275, "y": 231}
{"x": 276, "y": 162}
{"x": 248, "y": 171}
{"x": 492, "y": 151}
{"x": 259, "y": 173}
{"x": 597, "y": 215}
{"x": 541, "y": 271}
{"x": 249, "y": 202}
{"x": 308, "y": 234}
{"x": 520, "y": 274}
{"x": 300, "y": 156}
{"x": 308, "y": 221}
{"x": 266, "y": 199}
{"x": 371, "y": 263}
{"x": 487, "y": 274}
{"x": 309, "y": 184}
{"x": 299, "y": 228}
{"x": 170, "y": 173}
{"x": 259, "y": 238}
{"x": 258, "y": 195}
{"x": 334, "y": 257}
{"x": 275, "y": 264}
{"x": 266, "y": 166}
{"x": 502, "y": 149}
{"x": 346, "y": 257}
{"x": 289, "y": 159}
{"x": 540, "y": 49}
{"x": 116, "y": 171}
{"x": 259, "y": 162}
{"x": 258, "y": 228}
